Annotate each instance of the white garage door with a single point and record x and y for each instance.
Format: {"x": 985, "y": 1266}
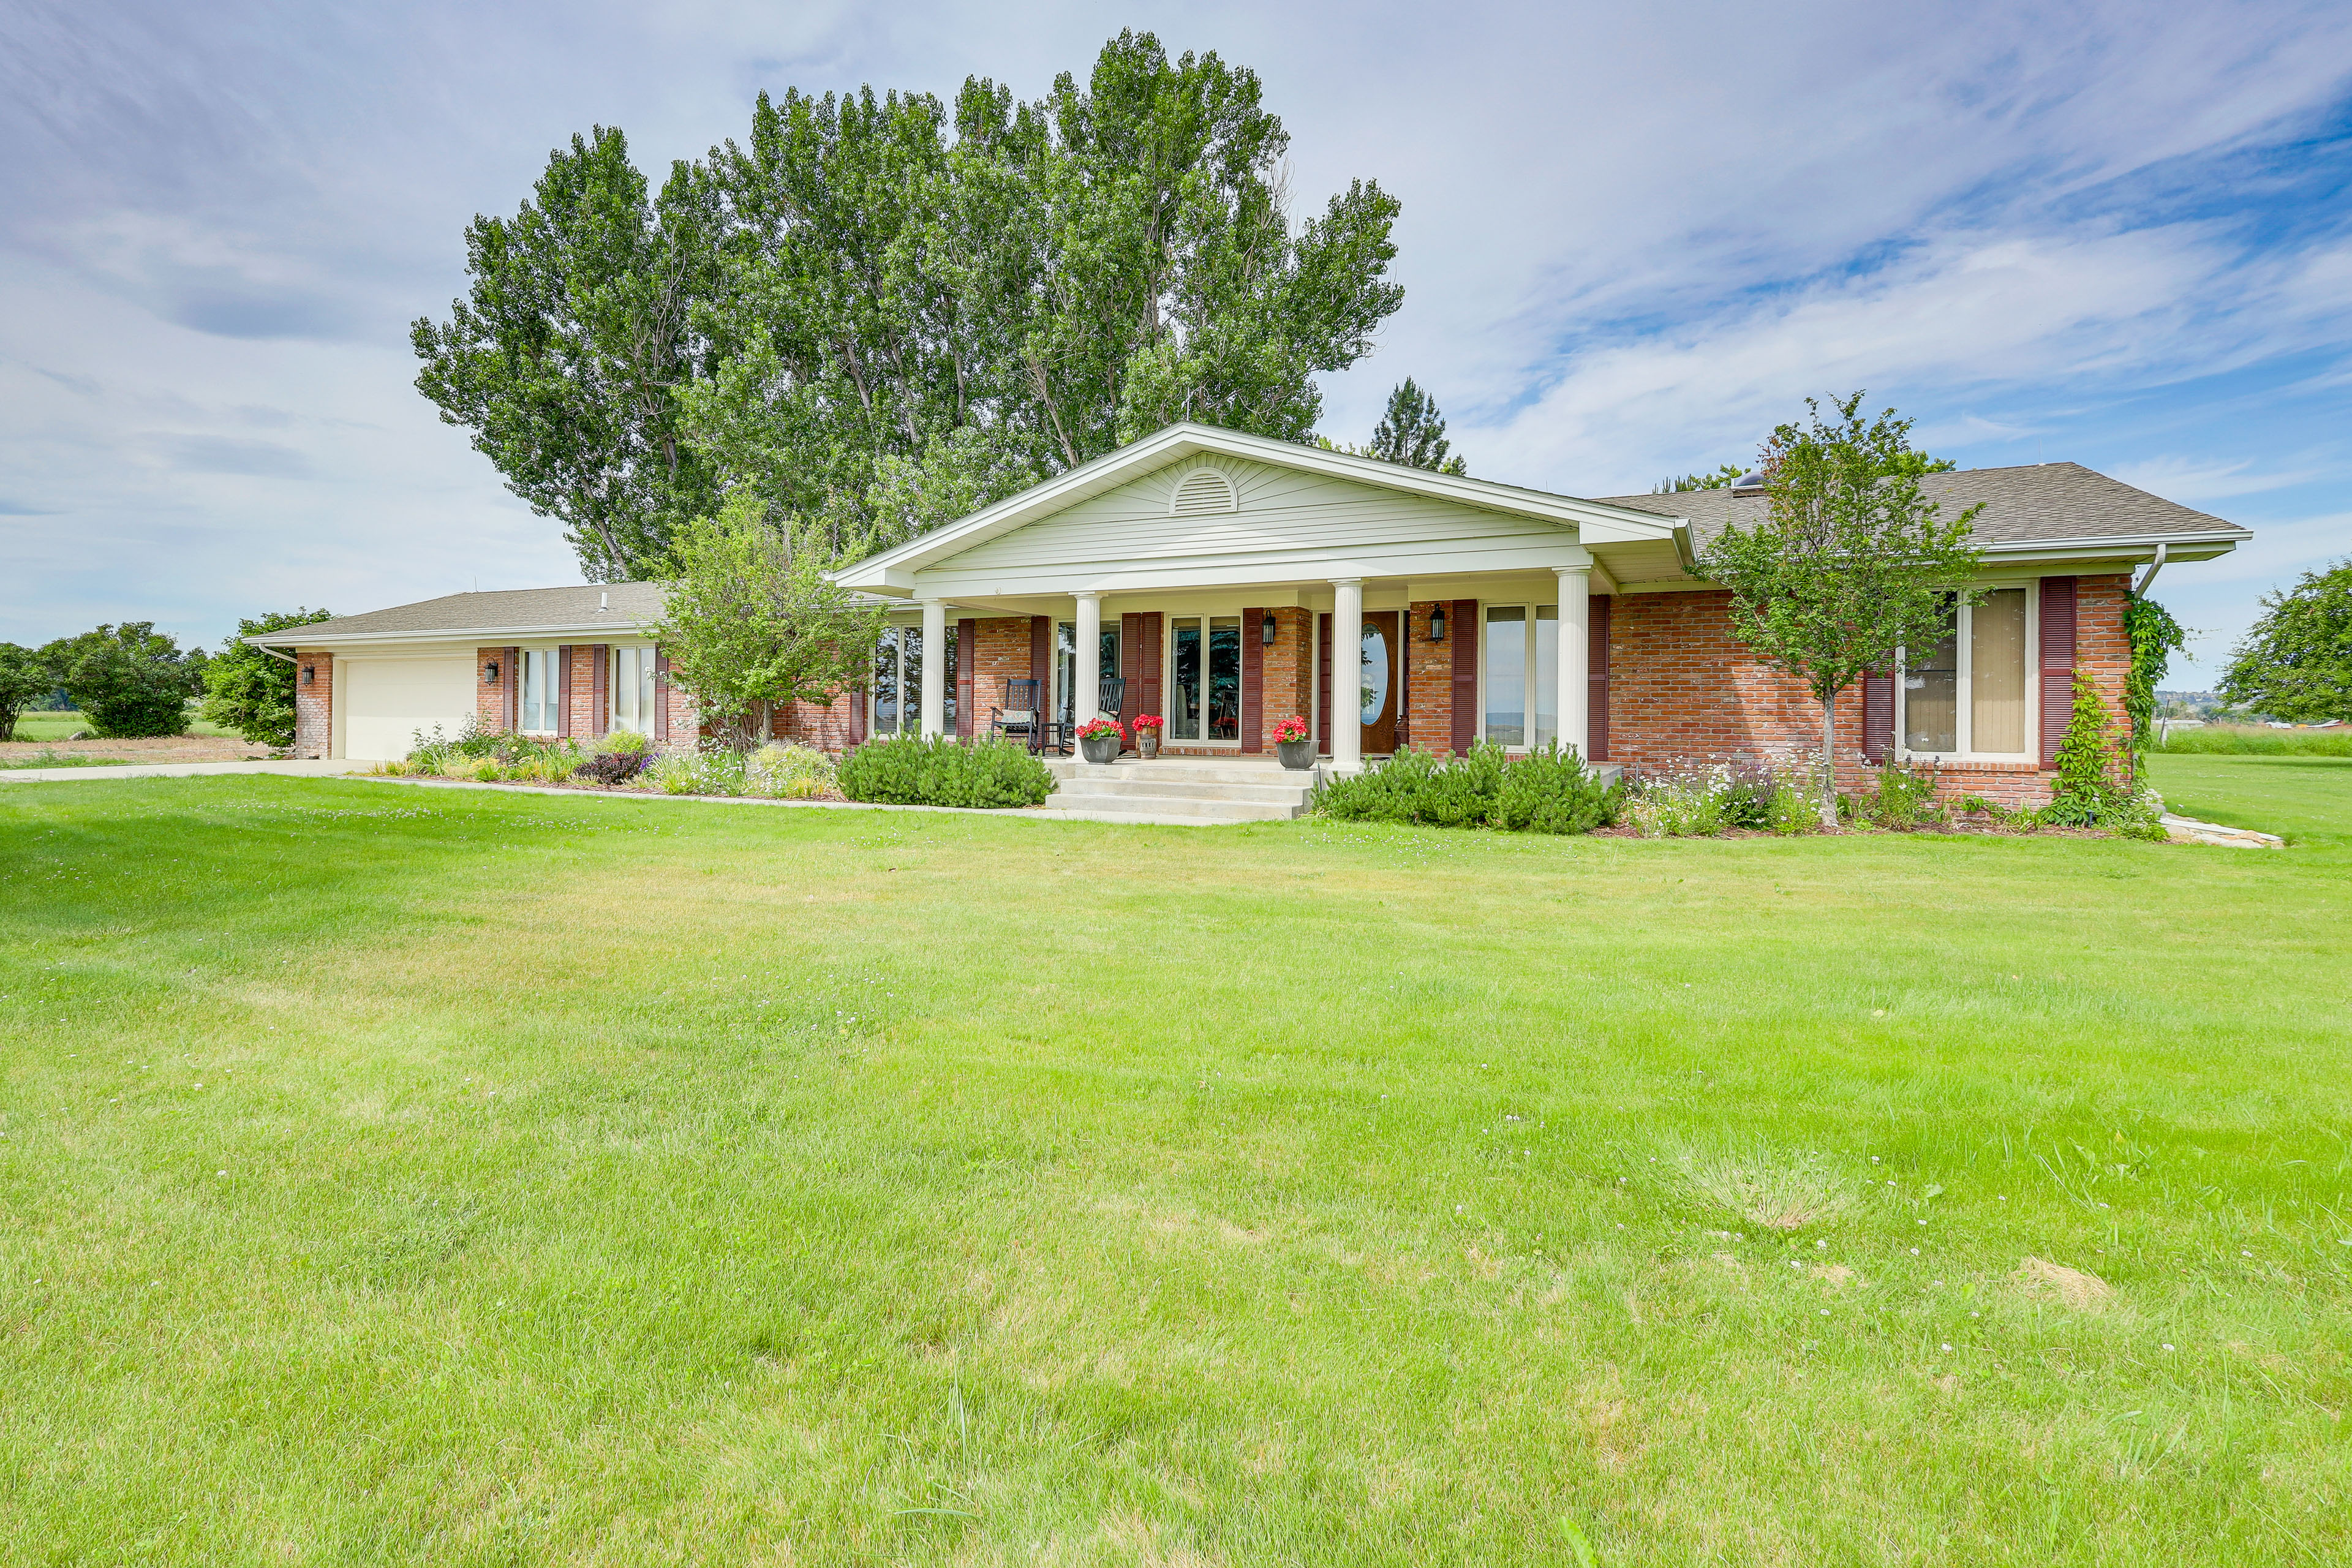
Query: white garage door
{"x": 386, "y": 701}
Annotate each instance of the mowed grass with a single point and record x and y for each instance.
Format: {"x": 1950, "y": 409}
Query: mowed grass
{"x": 407, "y": 1175}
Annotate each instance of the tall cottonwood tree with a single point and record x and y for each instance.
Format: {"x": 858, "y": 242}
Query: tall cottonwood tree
{"x": 912, "y": 308}
{"x": 566, "y": 356}
{"x": 1852, "y": 562}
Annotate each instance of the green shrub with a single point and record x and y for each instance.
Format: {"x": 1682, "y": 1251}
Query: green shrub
{"x": 789, "y": 771}
{"x": 944, "y": 772}
{"x": 2085, "y": 793}
{"x": 251, "y": 691}
{"x": 130, "y": 680}
{"x": 1549, "y": 790}
{"x": 624, "y": 743}
{"x": 1900, "y": 797}
{"x": 1682, "y": 805}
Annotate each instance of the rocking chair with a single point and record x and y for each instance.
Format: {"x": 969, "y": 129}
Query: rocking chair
{"x": 1021, "y": 714}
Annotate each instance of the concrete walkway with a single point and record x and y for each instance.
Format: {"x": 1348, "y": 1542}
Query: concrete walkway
{"x": 298, "y": 767}
{"x": 2189, "y": 830}
{"x": 1023, "y": 814}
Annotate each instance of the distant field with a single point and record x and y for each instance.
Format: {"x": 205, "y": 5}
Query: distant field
{"x": 2249, "y": 740}
{"x": 47, "y": 727}
{"x": 401, "y": 1176}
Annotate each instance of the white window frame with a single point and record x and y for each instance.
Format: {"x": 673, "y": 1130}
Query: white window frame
{"x": 908, "y": 719}
{"x": 1964, "y": 720}
{"x": 1203, "y": 619}
{"x": 552, "y": 673}
{"x": 1534, "y": 669}
{"x": 648, "y": 688}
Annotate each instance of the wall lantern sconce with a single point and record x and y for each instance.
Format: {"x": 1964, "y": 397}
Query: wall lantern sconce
{"x": 490, "y": 673}
{"x": 310, "y": 675}
{"x": 1437, "y": 623}
{"x": 1266, "y": 630}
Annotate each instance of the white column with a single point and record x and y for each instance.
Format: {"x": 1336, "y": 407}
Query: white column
{"x": 1348, "y": 675}
{"x": 1086, "y": 702}
{"x": 935, "y": 647}
{"x": 1575, "y": 658}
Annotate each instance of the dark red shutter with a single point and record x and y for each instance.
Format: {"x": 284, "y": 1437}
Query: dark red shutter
{"x": 1462, "y": 633}
{"x": 510, "y": 667}
{"x": 563, "y": 690}
{"x": 1138, "y": 660}
{"x": 967, "y": 640}
{"x": 600, "y": 661}
{"x": 856, "y": 695}
{"x": 1596, "y": 678}
{"x": 2057, "y": 663}
{"x": 1323, "y": 685}
{"x": 1877, "y": 717}
{"x": 1041, "y": 647}
{"x": 1252, "y": 681}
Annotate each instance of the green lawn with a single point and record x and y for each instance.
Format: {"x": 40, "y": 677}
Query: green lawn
{"x": 394, "y": 1175}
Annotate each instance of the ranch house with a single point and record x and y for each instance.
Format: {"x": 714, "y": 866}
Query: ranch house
{"x": 1219, "y": 579}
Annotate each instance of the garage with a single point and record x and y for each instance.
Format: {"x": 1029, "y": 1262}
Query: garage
{"x": 386, "y": 702}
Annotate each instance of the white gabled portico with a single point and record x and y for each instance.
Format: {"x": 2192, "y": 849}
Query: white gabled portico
{"x": 1153, "y": 556}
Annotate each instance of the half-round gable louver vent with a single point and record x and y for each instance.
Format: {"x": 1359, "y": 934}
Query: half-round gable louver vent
{"x": 1203, "y": 491}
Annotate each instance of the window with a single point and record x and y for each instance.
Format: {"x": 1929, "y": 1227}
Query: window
{"x": 1966, "y": 696}
{"x": 1205, "y": 677}
{"x": 898, "y": 695}
{"x": 632, "y": 689}
{"x": 1066, "y": 663}
{"x": 539, "y": 713}
{"x": 1522, "y": 657}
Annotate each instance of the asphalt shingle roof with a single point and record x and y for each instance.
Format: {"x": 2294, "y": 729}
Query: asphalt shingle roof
{"x": 2022, "y": 506}
{"x": 508, "y": 610}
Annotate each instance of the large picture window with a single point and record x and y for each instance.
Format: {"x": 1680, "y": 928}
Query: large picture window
{"x": 538, "y": 712}
{"x": 1966, "y": 694}
{"x": 1522, "y": 657}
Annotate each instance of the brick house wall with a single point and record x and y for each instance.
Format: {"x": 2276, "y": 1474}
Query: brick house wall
{"x": 1682, "y": 691}
{"x": 1288, "y": 681}
{"x": 495, "y": 702}
{"x": 1000, "y": 651}
{"x": 314, "y": 702}
{"x": 1429, "y": 679}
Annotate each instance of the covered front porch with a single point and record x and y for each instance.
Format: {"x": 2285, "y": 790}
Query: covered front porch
{"x": 1225, "y": 583}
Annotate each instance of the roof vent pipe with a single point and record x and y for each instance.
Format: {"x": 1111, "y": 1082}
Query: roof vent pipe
{"x": 1748, "y": 484}
{"x": 604, "y": 602}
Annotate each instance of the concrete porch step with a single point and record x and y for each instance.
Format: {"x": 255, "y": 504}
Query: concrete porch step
{"x": 1143, "y": 807}
{"x": 1269, "y": 793}
{"x": 1189, "y": 768}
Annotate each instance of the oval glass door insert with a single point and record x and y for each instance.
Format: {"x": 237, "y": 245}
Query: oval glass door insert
{"x": 1375, "y": 688}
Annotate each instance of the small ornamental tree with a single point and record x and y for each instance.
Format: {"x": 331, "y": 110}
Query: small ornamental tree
{"x": 750, "y": 618}
{"x": 130, "y": 679}
{"x": 2295, "y": 663}
{"x": 24, "y": 680}
{"x": 1852, "y": 564}
{"x": 252, "y": 691}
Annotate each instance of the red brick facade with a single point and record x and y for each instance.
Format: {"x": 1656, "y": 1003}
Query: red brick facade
{"x": 314, "y": 702}
{"x": 1288, "y": 681}
{"x": 1429, "y": 679}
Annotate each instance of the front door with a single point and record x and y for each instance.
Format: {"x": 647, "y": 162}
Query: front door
{"x": 1381, "y": 684}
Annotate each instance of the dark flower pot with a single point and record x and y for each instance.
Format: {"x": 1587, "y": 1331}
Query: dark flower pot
{"x": 1100, "y": 748}
{"x": 1299, "y": 754}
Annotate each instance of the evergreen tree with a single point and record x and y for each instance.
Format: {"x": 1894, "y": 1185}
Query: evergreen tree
{"x": 1413, "y": 432}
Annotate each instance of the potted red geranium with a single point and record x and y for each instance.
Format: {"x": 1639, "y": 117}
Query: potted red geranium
{"x": 1147, "y": 727}
{"x": 1100, "y": 739}
{"x": 1290, "y": 743}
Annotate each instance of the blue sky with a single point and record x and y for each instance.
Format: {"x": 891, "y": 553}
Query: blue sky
{"x": 1634, "y": 238}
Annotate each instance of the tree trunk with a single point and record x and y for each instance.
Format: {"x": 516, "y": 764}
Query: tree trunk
{"x": 1828, "y": 761}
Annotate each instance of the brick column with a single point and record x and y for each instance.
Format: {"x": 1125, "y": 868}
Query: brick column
{"x": 314, "y": 702}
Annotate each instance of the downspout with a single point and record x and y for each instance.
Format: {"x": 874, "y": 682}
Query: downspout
{"x": 275, "y": 654}
{"x": 2139, "y": 589}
